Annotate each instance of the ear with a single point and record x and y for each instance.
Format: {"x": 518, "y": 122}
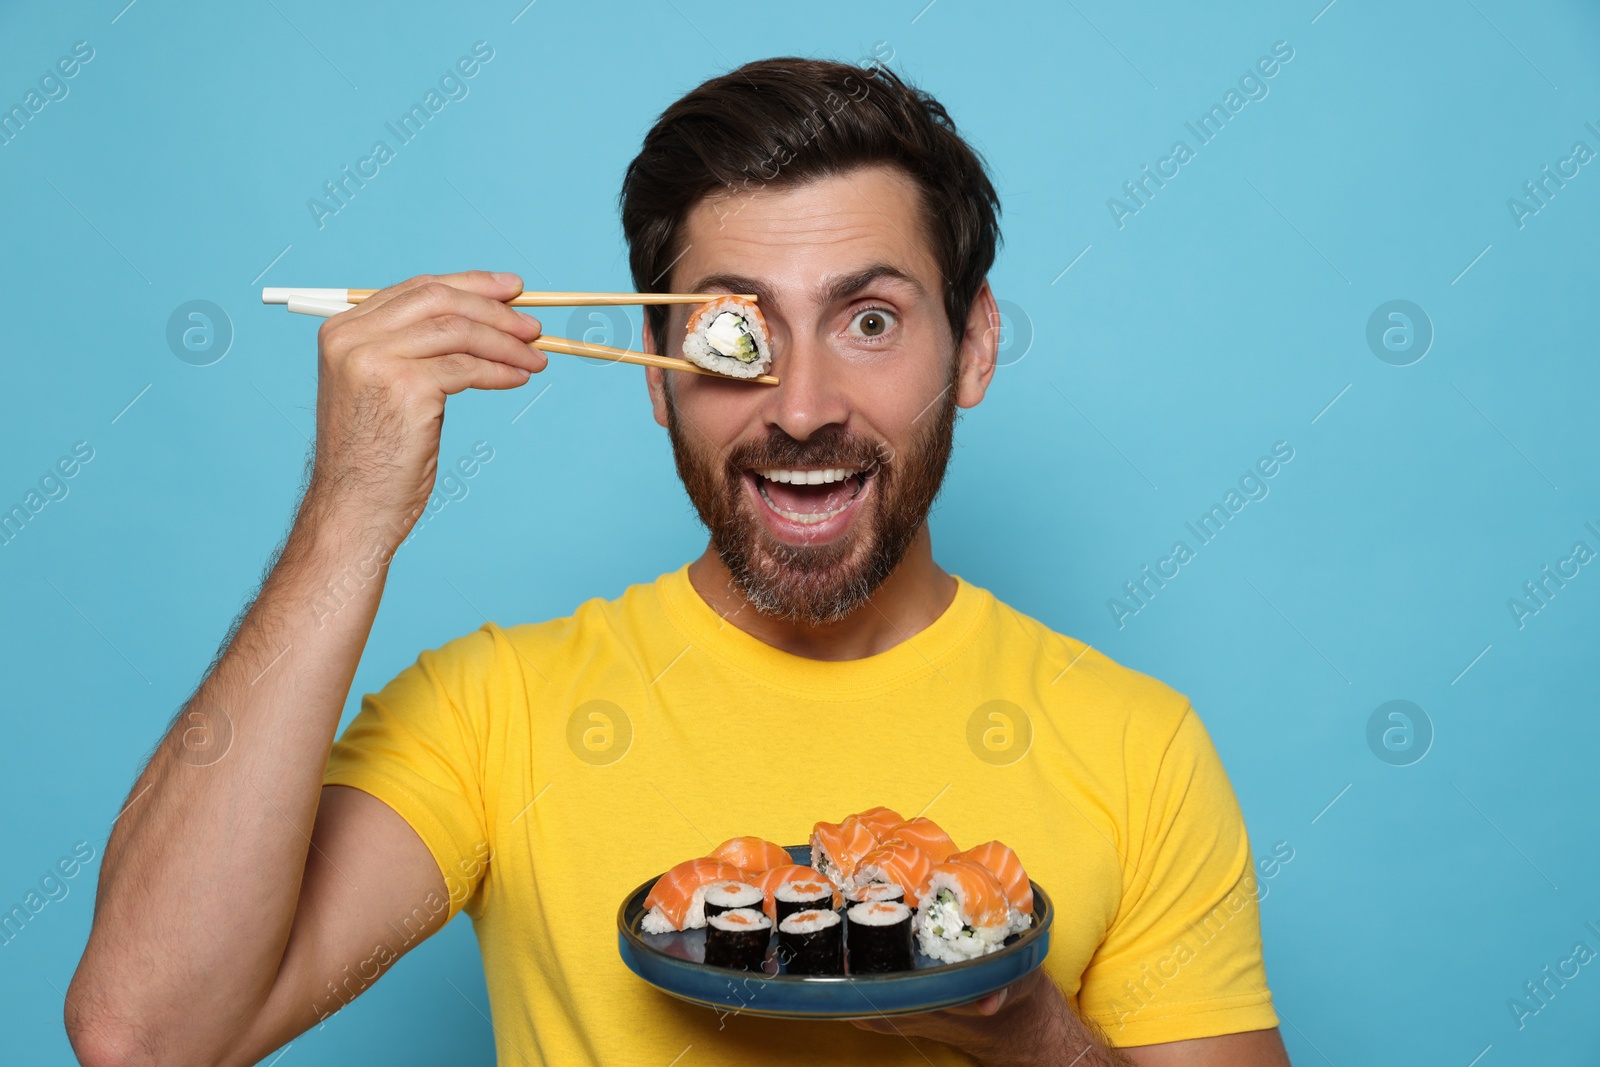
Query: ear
{"x": 980, "y": 348}
{"x": 655, "y": 379}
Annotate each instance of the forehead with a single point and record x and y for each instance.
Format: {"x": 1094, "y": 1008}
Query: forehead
{"x": 791, "y": 235}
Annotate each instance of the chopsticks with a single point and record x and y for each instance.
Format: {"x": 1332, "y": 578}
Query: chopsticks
{"x": 642, "y": 359}
{"x": 329, "y": 302}
{"x": 272, "y": 295}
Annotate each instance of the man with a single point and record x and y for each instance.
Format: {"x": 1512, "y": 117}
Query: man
{"x": 814, "y": 660}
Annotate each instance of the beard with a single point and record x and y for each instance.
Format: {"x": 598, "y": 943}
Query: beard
{"x": 816, "y": 584}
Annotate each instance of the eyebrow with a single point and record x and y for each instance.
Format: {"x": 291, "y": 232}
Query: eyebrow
{"x": 851, "y": 284}
{"x": 834, "y": 290}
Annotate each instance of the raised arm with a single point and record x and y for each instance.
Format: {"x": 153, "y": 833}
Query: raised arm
{"x": 239, "y": 901}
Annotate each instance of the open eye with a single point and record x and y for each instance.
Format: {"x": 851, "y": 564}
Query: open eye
{"x": 872, "y": 322}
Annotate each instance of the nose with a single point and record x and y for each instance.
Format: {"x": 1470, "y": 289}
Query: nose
{"x": 810, "y": 394}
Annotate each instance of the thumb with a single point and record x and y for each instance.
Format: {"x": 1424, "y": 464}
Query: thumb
{"x": 992, "y": 1003}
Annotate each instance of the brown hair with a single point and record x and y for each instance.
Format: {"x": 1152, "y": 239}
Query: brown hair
{"x": 791, "y": 120}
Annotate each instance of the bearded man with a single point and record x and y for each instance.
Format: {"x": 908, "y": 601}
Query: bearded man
{"x": 814, "y": 660}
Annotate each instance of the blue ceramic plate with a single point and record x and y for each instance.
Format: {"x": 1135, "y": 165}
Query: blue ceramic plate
{"x": 672, "y": 963}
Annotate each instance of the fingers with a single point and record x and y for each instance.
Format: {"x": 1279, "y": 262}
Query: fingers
{"x": 448, "y": 334}
{"x": 437, "y": 298}
{"x": 993, "y": 1002}
{"x": 495, "y": 286}
{"x": 457, "y": 371}
{"x": 501, "y": 285}
{"x": 877, "y": 1026}
{"x": 477, "y": 295}
{"x": 963, "y": 1022}
{"x": 432, "y": 336}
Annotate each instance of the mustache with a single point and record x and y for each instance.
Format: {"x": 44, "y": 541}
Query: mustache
{"x": 832, "y": 446}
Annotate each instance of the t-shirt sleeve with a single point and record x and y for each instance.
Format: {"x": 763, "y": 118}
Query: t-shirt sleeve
{"x": 417, "y": 746}
{"x": 1182, "y": 958}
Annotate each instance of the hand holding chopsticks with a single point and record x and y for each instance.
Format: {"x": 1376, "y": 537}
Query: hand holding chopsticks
{"x": 329, "y": 302}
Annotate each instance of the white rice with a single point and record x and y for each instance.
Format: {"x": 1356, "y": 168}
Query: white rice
{"x": 791, "y": 893}
{"x": 878, "y": 913}
{"x": 808, "y": 922}
{"x": 733, "y": 895}
{"x": 740, "y": 920}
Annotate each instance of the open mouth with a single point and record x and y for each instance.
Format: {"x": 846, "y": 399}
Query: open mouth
{"x": 810, "y": 496}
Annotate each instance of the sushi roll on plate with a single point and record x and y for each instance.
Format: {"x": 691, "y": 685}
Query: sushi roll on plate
{"x": 678, "y": 899}
{"x": 898, "y": 863}
{"x": 836, "y": 848}
{"x": 965, "y": 913}
{"x": 738, "y": 939}
{"x": 878, "y": 938}
{"x": 728, "y": 336}
{"x": 812, "y": 942}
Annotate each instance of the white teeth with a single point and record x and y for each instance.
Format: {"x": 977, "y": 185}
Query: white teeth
{"x": 804, "y": 518}
{"x": 809, "y": 477}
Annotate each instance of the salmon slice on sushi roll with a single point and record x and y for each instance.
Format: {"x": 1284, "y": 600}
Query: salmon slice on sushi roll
{"x": 926, "y": 835}
{"x": 753, "y": 854}
{"x": 1003, "y": 863}
{"x": 880, "y": 820}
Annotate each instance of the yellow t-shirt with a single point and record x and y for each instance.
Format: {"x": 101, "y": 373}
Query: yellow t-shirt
{"x": 551, "y": 768}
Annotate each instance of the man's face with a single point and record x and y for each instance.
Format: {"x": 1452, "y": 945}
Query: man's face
{"x": 814, "y": 489}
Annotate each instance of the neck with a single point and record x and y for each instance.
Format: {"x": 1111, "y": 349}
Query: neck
{"x": 907, "y": 602}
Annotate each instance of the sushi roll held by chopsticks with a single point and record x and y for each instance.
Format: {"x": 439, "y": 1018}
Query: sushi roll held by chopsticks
{"x": 728, "y": 335}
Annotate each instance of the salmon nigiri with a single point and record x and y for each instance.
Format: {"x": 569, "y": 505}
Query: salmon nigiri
{"x": 677, "y": 900}
{"x": 1003, "y": 863}
{"x": 752, "y": 854}
{"x": 837, "y": 847}
{"x": 964, "y": 913}
{"x": 880, "y": 820}
{"x": 926, "y": 835}
{"x": 769, "y": 881}
{"x": 897, "y": 863}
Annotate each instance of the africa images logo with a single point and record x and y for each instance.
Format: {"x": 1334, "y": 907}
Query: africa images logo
{"x": 452, "y": 87}
{"x": 1252, "y": 486}
{"x": 1253, "y": 86}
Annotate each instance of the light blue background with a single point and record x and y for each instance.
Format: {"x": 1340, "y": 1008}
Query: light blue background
{"x": 1223, "y": 317}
